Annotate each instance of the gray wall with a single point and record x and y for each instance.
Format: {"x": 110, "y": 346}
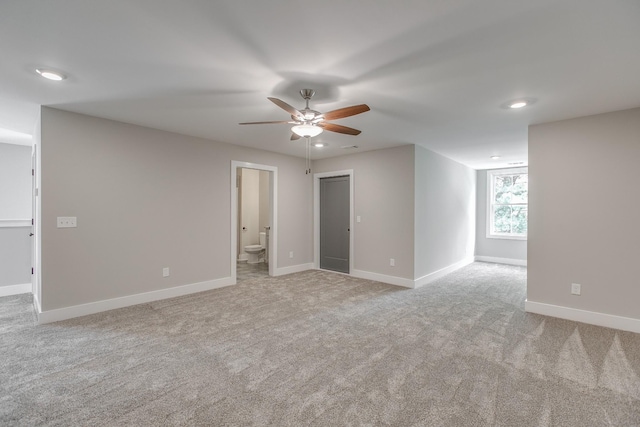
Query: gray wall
{"x": 384, "y": 188}
{"x": 15, "y": 204}
{"x": 496, "y": 248}
{"x": 15, "y": 256}
{"x": 445, "y": 212}
{"x": 15, "y": 182}
{"x": 147, "y": 199}
{"x": 583, "y": 223}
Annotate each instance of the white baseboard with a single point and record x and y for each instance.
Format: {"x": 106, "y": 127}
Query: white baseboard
{"x": 293, "y": 269}
{"x": 24, "y": 288}
{"x": 110, "y": 304}
{"x": 591, "y": 317}
{"x": 392, "y": 280}
{"x": 408, "y": 283}
{"x": 509, "y": 261}
{"x": 431, "y": 277}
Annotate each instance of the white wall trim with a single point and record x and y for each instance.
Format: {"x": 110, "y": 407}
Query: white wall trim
{"x": 24, "y": 288}
{"x": 37, "y": 308}
{"x": 273, "y": 203}
{"x": 120, "y": 302}
{"x": 7, "y": 223}
{"x": 590, "y": 317}
{"x": 408, "y": 283}
{"x": 432, "y": 277}
{"x": 36, "y": 203}
{"x": 391, "y": 280}
{"x": 316, "y": 215}
{"x": 293, "y": 269}
{"x": 509, "y": 261}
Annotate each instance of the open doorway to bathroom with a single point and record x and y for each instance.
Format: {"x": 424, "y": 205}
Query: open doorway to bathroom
{"x": 253, "y": 215}
{"x": 254, "y": 223}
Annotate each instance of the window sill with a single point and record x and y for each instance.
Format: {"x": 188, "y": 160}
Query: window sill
{"x": 497, "y": 236}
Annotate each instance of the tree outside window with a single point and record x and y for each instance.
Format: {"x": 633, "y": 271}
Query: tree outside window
{"x": 508, "y": 203}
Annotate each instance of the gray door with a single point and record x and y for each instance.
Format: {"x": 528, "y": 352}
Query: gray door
{"x": 334, "y": 223}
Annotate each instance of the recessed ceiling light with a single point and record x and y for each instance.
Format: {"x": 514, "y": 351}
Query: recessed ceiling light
{"x": 50, "y": 74}
{"x": 494, "y": 157}
{"x": 518, "y": 104}
{"x": 319, "y": 144}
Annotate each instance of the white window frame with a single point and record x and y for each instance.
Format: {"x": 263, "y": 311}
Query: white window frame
{"x": 490, "y": 197}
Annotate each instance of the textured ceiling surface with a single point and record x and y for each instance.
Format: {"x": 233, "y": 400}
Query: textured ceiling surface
{"x": 435, "y": 73}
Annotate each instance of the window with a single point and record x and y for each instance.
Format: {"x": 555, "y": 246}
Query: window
{"x": 508, "y": 203}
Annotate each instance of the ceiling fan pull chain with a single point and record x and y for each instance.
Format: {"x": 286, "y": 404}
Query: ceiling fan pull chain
{"x": 306, "y": 156}
{"x": 309, "y": 151}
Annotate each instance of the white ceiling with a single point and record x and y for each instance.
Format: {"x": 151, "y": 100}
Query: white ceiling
{"x": 434, "y": 72}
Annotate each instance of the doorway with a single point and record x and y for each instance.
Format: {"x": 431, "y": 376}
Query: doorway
{"x": 333, "y": 221}
{"x": 252, "y": 213}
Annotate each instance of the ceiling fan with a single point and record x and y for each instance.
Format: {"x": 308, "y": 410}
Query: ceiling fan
{"x": 309, "y": 123}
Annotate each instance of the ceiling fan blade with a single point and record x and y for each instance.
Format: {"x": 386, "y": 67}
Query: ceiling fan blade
{"x": 295, "y": 136}
{"x": 286, "y": 107}
{"x": 266, "y": 123}
{"x": 346, "y": 112}
{"x": 332, "y": 127}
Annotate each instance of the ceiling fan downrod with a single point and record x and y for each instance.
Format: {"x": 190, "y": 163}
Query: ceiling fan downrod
{"x": 307, "y": 94}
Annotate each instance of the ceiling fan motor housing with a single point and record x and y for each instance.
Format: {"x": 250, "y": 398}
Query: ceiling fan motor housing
{"x": 307, "y": 93}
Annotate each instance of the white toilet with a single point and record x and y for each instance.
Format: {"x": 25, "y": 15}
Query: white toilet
{"x": 255, "y": 251}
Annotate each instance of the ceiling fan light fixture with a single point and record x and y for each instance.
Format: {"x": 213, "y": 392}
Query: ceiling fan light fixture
{"x": 307, "y": 131}
{"x": 319, "y": 144}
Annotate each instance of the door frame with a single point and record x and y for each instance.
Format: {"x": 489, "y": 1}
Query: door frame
{"x": 36, "y": 242}
{"x": 316, "y": 215}
{"x": 273, "y": 214}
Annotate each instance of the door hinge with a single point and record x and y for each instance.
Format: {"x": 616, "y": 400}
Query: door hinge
{"x": 31, "y": 270}
{"x": 33, "y": 172}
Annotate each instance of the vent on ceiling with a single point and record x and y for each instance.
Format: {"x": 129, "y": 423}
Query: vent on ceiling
{"x": 349, "y": 147}
{"x": 515, "y": 163}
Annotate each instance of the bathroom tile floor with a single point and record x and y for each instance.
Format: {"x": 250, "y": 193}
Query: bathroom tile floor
{"x": 250, "y": 271}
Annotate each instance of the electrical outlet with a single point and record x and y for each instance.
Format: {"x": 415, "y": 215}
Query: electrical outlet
{"x": 291, "y": 254}
{"x": 165, "y": 272}
{"x": 392, "y": 262}
{"x": 575, "y": 289}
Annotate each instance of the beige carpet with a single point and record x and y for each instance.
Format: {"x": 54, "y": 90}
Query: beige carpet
{"x": 318, "y": 348}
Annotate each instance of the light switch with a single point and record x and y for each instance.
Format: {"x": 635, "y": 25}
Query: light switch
{"x": 67, "y": 222}
{"x": 358, "y": 218}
